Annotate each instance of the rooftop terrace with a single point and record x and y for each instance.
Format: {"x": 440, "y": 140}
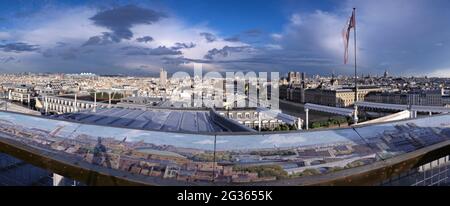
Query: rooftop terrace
{"x": 164, "y": 120}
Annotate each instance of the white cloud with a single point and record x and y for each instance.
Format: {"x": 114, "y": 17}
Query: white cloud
{"x": 319, "y": 32}
{"x": 4, "y": 35}
{"x": 408, "y": 35}
{"x": 276, "y": 36}
{"x": 296, "y": 19}
{"x": 73, "y": 27}
{"x": 405, "y": 35}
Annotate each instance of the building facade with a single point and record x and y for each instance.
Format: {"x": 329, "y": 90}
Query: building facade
{"x": 423, "y": 97}
{"x": 339, "y": 97}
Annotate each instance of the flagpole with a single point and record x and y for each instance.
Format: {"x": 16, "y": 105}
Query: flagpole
{"x": 355, "y": 118}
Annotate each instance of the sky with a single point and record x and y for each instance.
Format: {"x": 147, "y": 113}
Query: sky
{"x": 405, "y": 37}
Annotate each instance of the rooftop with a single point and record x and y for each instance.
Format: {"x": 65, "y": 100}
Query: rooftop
{"x": 164, "y": 120}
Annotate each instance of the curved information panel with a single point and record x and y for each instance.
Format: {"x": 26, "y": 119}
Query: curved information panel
{"x": 227, "y": 158}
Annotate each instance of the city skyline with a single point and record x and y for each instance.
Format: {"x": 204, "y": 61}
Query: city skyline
{"x": 140, "y": 37}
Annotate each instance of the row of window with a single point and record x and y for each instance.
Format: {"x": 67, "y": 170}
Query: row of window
{"x": 240, "y": 115}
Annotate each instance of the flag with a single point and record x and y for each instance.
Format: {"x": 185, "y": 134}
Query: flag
{"x": 346, "y": 34}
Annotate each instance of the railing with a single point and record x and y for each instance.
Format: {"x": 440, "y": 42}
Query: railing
{"x": 417, "y": 108}
{"x": 97, "y": 154}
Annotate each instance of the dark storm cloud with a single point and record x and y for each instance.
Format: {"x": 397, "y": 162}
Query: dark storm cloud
{"x": 144, "y": 39}
{"x": 88, "y": 51}
{"x": 159, "y": 51}
{"x": 183, "y": 46}
{"x": 18, "y": 47}
{"x": 48, "y": 53}
{"x": 182, "y": 60}
{"x": 224, "y": 52}
{"x": 120, "y": 19}
{"x": 104, "y": 39}
{"x": 208, "y": 36}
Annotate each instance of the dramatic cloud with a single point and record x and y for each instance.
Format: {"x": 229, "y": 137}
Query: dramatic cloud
{"x": 18, "y": 47}
{"x": 208, "y": 36}
{"x": 120, "y": 19}
{"x": 403, "y": 39}
{"x": 144, "y": 39}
